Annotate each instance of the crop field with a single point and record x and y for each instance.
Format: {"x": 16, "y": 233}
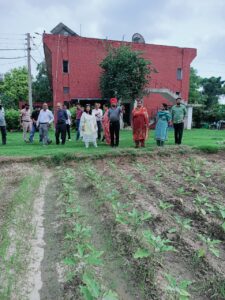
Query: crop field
{"x": 127, "y": 228}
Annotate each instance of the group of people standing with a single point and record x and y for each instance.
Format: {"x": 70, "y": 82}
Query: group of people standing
{"x": 41, "y": 120}
{"x": 108, "y": 119}
{"x": 91, "y": 122}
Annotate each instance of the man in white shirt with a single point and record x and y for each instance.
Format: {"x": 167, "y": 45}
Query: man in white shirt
{"x": 44, "y": 121}
{"x": 68, "y": 121}
{"x": 97, "y": 112}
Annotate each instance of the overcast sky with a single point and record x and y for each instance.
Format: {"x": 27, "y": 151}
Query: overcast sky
{"x": 184, "y": 23}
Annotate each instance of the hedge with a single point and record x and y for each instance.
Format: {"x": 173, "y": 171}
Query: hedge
{"x": 12, "y": 119}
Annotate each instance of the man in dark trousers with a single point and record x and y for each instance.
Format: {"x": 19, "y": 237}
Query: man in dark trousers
{"x": 34, "y": 118}
{"x": 2, "y": 124}
{"x": 114, "y": 119}
{"x": 178, "y": 114}
{"x": 60, "y": 127}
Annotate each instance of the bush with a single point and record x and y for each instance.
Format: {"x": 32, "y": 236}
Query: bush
{"x": 73, "y": 111}
{"x": 202, "y": 115}
{"x": 12, "y": 119}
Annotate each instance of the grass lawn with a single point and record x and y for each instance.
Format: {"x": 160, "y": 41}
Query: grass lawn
{"x": 201, "y": 138}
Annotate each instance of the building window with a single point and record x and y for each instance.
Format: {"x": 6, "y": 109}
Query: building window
{"x": 66, "y": 90}
{"x": 179, "y": 74}
{"x": 65, "y": 66}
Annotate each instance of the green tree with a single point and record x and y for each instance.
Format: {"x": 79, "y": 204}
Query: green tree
{"x": 14, "y": 87}
{"x": 125, "y": 74}
{"x": 195, "y": 94}
{"x": 41, "y": 88}
{"x": 213, "y": 87}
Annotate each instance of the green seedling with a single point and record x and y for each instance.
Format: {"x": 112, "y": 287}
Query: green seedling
{"x": 194, "y": 165}
{"x": 88, "y": 255}
{"x": 195, "y": 179}
{"x": 133, "y": 218}
{"x": 141, "y": 167}
{"x": 208, "y": 174}
{"x": 183, "y": 224}
{"x": 177, "y": 290}
{"x": 158, "y": 176}
{"x": 181, "y": 191}
{"x": 208, "y": 246}
{"x": 73, "y": 211}
{"x": 113, "y": 196}
{"x": 221, "y": 213}
{"x": 91, "y": 289}
{"x": 165, "y": 205}
{"x": 79, "y": 233}
{"x": 202, "y": 205}
{"x": 119, "y": 207}
{"x": 85, "y": 255}
{"x": 157, "y": 246}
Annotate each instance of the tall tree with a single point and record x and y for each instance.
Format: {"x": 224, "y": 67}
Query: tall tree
{"x": 196, "y": 89}
{"x": 213, "y": 87}
{"x": 41, "y": 88}
{"x": 125, "y": 74}
{"x": 14, "y": 87}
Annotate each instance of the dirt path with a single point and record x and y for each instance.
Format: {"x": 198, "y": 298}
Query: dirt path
{"x": 38, "y": 244}
{"x": 41, "y": 279}
{"x": 50, "y": 283}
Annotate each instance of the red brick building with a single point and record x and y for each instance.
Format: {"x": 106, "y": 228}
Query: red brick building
{"x": 73, "y": 67}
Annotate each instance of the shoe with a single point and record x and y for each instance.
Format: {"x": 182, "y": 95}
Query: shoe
{"x": 49, "y": 142}
{"x": 69, "y": 140}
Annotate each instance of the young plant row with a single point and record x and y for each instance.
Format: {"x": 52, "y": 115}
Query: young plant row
{"x": 202, "y": 206}
{"x": 149, "y": 255}
{"x": 82, "y": 259}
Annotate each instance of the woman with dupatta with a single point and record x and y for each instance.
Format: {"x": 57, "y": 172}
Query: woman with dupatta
{"x": 88, "y": 127}
{"x": 140, "y": 124}
{"x": 163, "y": 119}
{"x": 105, "y": 125}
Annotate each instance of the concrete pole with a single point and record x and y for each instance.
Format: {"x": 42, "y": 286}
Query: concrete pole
{"x": 29, "y": 72}
{"x": 189, "y": 116}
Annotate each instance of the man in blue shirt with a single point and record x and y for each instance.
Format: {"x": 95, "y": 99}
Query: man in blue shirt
{"x": 60, "y": 127}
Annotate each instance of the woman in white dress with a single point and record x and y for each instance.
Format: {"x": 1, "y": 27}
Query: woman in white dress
{"x": 88, "y": 127}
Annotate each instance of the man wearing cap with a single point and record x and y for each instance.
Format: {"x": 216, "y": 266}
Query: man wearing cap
{"x": 178, "y": 114}
{"x": 25, "y": 121}
{"x": 114, "y": 119}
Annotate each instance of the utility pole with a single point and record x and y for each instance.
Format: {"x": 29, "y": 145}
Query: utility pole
{"x": 29, "y": 71}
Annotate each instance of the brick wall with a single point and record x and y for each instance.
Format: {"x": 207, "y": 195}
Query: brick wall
{"x": 85, "y": 54}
